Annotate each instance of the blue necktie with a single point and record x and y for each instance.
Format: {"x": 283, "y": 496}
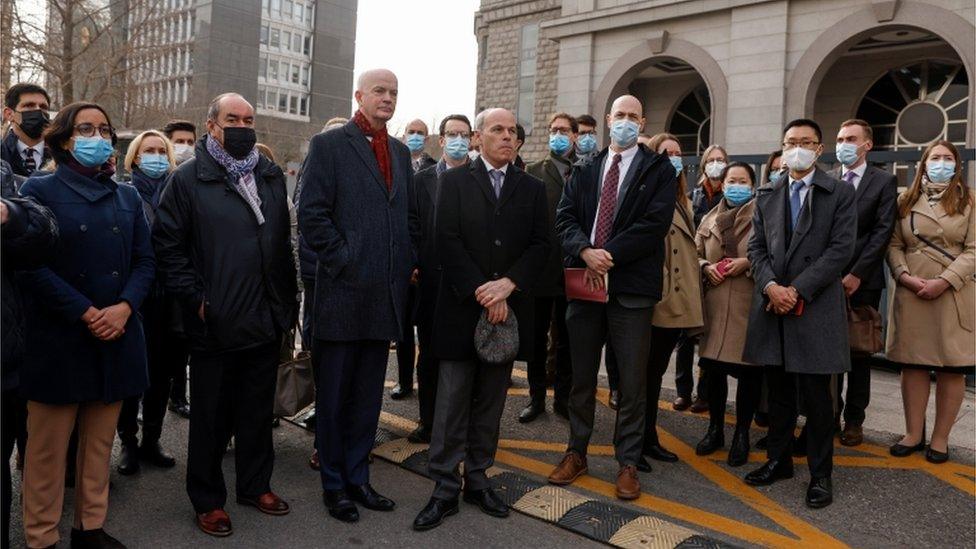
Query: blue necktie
{"x": 496, "y": 181}
{"x": 795, "y": 202}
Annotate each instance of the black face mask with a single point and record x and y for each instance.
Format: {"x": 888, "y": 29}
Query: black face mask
{"x": 32, "y": 123}
{"x": 239, "y": 141}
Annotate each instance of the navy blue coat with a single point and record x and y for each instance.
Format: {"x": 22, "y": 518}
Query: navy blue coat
{"x": 104, "y": 256}
{"x": 358, "y": 231}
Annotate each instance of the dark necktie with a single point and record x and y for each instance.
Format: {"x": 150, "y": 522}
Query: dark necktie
{"x": 796, "y": 204}
{"x": 29, "y": 163}
{"x": 496, "y": 181}
{"x": 608, "y": 203}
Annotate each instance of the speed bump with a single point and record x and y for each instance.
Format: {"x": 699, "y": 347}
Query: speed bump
{"x": 651, "y": 533}
{"x": 548, "y": 503}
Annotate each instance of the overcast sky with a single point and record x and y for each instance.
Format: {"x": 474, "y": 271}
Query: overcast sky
{"x": 430, "y": 45}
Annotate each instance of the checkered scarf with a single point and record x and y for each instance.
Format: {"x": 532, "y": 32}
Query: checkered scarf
{"x": 243, "y": 173}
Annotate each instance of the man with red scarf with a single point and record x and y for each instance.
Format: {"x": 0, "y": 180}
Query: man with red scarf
{"x": 353, "y": 215}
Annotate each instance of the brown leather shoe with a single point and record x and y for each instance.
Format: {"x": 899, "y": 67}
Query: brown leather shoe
{"x": 569, "y": 469}
{"x": 699, "y": 406}
{"x": 628, "y": 485}
{"x": 852, "y": 435}
{"x": 680, "y": 404}
{"x": 268, "y": 503}
{"x": 216, "y": 523}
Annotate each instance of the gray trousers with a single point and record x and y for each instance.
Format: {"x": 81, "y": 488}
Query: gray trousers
{"x": 470, "y": 400}
{"x": 628, "y": 330}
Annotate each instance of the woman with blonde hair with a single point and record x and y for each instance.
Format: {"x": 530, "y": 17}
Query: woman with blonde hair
{"x": 932, "y": 257}
{"x": 150, "y": 158}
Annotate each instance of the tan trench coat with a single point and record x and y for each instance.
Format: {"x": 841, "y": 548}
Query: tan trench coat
{"x": 726, "y": 305}
{"x": 935, "y": 332}
{"x": 681, "y": 292}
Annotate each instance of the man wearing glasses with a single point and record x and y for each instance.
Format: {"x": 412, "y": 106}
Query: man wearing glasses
{"x": 803, "y": 238}
{"x": 455, "y": 140}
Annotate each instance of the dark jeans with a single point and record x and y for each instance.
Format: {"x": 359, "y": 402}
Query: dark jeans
{"x": 663, "y": 341}
{"x": 814, "y": 389}
{"x": 747, "y": 392}
{"x": 859, "y": 378}
{"x": 628, "y": 330}
{"x": 232, "y": 395}
{"x": 547, "y": 311}
{"x": 13, "y": 426}
{"x": 684, "y": 371}
{"x": 348, "y": 397}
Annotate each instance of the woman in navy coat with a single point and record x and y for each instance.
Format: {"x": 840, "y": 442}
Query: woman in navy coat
{"x": 86, "y": 351}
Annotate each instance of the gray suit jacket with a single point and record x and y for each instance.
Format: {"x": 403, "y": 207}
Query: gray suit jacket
{"x": 813, "y": 261}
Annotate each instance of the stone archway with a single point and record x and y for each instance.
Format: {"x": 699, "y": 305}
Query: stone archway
{"x": 827, "y": 48}
{"x": 615, "y": 82}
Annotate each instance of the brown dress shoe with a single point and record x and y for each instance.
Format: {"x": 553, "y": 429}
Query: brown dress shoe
{"x": 852, "y": 435}
{"x": 680, "y": 404}
{"x": 215, "y": 523}
{"x": 628, "y": 485}
{"x": 268, "y": 503}
{"x": 569, "y": 469}
{"x": 699, "y": 406}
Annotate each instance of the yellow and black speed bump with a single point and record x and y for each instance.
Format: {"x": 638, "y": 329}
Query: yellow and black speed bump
{"x": 596, "y": 519}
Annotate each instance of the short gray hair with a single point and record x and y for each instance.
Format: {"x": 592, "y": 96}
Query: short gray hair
{"x": 213, "y": 111}
{"x": 479, "y": 119}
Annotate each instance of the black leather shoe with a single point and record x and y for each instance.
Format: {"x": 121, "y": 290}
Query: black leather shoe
{"x": 340, "y": 506}
{"x": 532, "y": 411}
{"x": 129, "y": 459}
{"x": 739, "y": 449}
{"x": 820, "y": 493}
{"x": 93, "y": 539}
{"x": 561, "y": 409}
{"x": 400, "y": 392}
{"x": 935, "y": 456}
{"x": 432, "y": 515}
{"x": 369, "y": 498}
{"x": 153, "y": 453}
{"x": 180, "y": 408}
{"x": 714, "y": 440}
{"x": 643, "y": 465}
{"x": 420, "y": 435}
{"x": 770, "y": 472}
{"x": 614, "y": 399}
{"x": 900, "y": 450}
{"x": 659, "y": 453}
{"x": 488, "y": 500}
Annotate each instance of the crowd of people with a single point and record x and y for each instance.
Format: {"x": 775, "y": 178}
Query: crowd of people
{"x": 468, "y": 262}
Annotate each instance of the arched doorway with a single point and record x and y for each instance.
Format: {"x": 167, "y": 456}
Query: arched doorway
{"x": 676, "y": 100}
{"x": 691, "y": 121}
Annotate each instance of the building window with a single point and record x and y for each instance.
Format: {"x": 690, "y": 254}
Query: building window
{"x": 275, "y": 40}
{"x": 305, "y": 75}
{"x": 296, "y": 43}
{"x": 294, "y": 73}
{"x": 263, "y": 66}
{"x": 273, "y": 69}
{"x": 691, "y": 121}
{"x": 264, "y": 35}
{"x": 526, "y": 91}
{"x": 293, "y": 109}
{"x": 304, "y": 106}
{"x": 276, "y": 7}
{"x": 308, "y": 45}
{"x": 283, "y": 101}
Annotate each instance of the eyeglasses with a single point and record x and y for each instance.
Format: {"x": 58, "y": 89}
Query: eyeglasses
{"x": 452, "y": 135}
{"x": 88, "y": 130}
{"x": 560, "y": 131}
{"x": 806, "y": 144}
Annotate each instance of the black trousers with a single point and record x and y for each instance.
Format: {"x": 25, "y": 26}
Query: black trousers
{"x": 814, "y": 389}
{"x": 13, "y": 425}
{"x": 663, "y": 341}
{"x": 428, "y": 368}
{"x": 684, "y": 371}
{"x": 547, "y": 311}
{"x": 406, "y": 350}
{"x": 167, "y": 355}
{"x": 859, "y": 378}
{"x": 232, "y": 395}
{"x": 747, "y": 392}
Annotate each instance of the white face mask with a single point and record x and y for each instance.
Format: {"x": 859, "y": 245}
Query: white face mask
{"x": 714, "y": 169}
{"x": 799, "y": 159}
{"x": 182, "y": 152}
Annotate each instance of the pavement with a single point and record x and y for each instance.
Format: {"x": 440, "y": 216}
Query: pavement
{"x": 880, "y": 501}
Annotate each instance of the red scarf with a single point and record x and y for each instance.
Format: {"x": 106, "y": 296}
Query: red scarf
{"x": 379, "y": 144}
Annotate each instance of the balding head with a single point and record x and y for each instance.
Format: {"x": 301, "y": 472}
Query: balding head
{"x": 417, "y": 126}
{"x": 376, "y": 95}
{"x": 625, "y": 108}
{"x": 497, "y": 131}
{"x": 230, "y": 110}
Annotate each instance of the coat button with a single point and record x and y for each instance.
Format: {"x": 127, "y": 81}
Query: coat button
{"x": 115, "y": 230}
{"x": 83, "y": 228}
{"x": 115, "y": 274}
{"x": 675, "y": 251}
{"x": 939, "y": 230}
{"x": 498, "y": 242}
{"x": 675, "y": 269}
{"x": 672, "y": 231}
{"x": 677, "y": 289}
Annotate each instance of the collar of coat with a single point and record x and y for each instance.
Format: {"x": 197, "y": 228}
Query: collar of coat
{"x": 90, "y": 189}
{"x": 209, "y": 170}
{"x": 820, "y": 179}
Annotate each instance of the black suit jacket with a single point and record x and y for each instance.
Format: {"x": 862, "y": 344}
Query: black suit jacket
{"x": 643, "y": 217}
{"x": 423, "y": 199}
{"x": 14, "y": 158}
{"x": 876, "y": 198}
{"x": 481, "y": 238}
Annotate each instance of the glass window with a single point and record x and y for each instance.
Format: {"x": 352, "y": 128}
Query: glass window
{"x": 283, "y": 101}
{"x": 305, "y": 71}
{"x": 272, "y": 101}
{"x": 264, "y": 34}
{"x": 293, "y": 109}
{"x": 528, "y": 48}
{"x": 273, "y": 69}
{"x": 275, "y": 7}
{"x": 294, "y": 74}
{"x": 286, "y": 8}
{"x": 308, "y": 13}
{"x": 263, "y": 67}
{"x": 285, "y": 40}
{"x": 299, "y": 11}
{"x": 275, "y": 40}
{"x": 303, "y": 110}
{"x": 260, "y": 101}
{"x": 296, "y": 45}
{"x": 265, "y": 5}
{"x": 308, "y": 45}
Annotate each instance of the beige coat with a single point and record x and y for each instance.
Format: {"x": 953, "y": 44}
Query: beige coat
{"x": 935, "y": 332}
{"x": 726, "y": 305}
{"x": 681, "y": 297}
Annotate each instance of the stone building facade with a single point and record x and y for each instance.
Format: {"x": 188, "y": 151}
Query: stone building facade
{"x": 732, "y": 72}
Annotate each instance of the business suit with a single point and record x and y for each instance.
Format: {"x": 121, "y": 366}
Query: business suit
{"x": 357, "y": 226}
{"x": 643, "y": 213}
{"x": 11, "y": 153}
{"x": 802, "y": 349}
{"x": 876, "y": 194}
{"x": 479, "y": 237}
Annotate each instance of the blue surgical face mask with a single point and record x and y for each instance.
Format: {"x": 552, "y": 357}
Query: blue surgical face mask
{"x": 846, "y": 153}
{"x": 415, "y": 142}
{"x": 154, "y": 165}
{"x": 676, "y": 162}
{"x": 586, "y": 143}
{"x": 92, "y": 151}
{"x": 736, "y": 193}
{"x": 456, "y": 147}
{"x": 940, "y": 171}
{"x": 775, "y": 176}
{"x": 623, "y": 133}
{"x": 559, "y": 143}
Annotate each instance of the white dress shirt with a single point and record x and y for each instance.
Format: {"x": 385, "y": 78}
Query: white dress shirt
{"x": 38, "y": 151}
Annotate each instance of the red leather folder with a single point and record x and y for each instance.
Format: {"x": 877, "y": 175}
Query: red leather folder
{"x": 576, "y": 287}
